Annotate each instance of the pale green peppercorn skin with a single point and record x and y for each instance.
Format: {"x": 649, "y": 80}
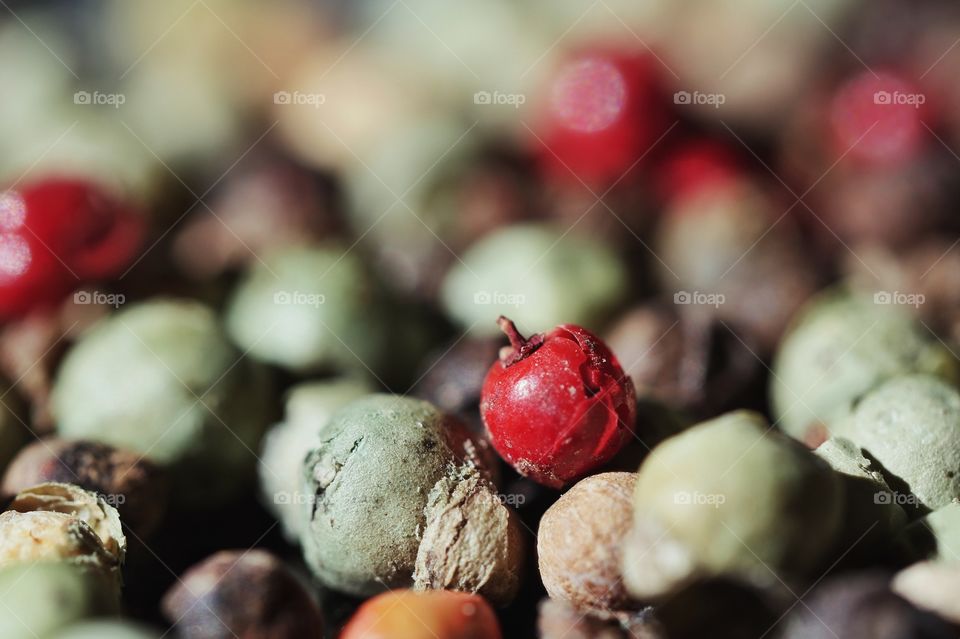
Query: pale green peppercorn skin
{"x": 538, "y": 277}
{"x": 309, "y": 308}
{"x": 371, "y": 478}
{"x": 739, "y": 498}
{"x": 840, "y": 347}
{"x": 911, "y": 426}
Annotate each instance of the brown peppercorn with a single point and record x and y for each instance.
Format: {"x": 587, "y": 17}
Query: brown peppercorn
{"x": 436, "y": 614}
{"x": 684, "y": 359}
{"x": 579, "y": 542}
{"x": 136, "y": 486}
{"x": 455, "y": 375}
{"x": 862, "y": 606}
{"x": 249, "y": 594}
{"x": 560, "y": 620}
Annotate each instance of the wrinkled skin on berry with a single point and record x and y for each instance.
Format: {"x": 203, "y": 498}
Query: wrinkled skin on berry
{"x": 557, "y": 405}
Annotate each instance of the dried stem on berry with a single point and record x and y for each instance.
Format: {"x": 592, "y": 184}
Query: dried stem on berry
{"x": 520, "y": 346}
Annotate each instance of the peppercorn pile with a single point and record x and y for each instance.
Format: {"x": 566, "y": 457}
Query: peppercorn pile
{"x": 417, "y": 319}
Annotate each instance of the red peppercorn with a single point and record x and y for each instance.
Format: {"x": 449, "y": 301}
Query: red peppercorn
{"x": 435, "y": 614}
{"x": 56, "y": 233}
{"x": 695, "y": 164}
{"x": 878, "y": 118}
{"x": 557, "y": 405}
{"x": 603, "y": 112}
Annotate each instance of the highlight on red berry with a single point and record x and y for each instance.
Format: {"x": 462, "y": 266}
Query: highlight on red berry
{"x": 57, "y": 233}
{"x": 557, "y": 405}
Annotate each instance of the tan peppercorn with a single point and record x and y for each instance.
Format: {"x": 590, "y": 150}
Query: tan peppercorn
{"x": 580, "y": 539}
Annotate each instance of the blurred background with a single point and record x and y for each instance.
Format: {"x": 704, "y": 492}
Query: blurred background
{"x": 361, "y": 188}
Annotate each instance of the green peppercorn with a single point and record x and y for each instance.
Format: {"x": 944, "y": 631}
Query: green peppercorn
{"x": 840, "y": 347}
{"x": 538, "y": 276}
{"x": 911, "y": 426}
{"x": 729, "y": 497}
{"x": 161, "y": 379}
{"x": 308, "y": 410}
{"x": 872, "y": 516}
{"x": 36, "y": 600}
{"x": 309, "y": 308}
{"x": 401, "y": 499}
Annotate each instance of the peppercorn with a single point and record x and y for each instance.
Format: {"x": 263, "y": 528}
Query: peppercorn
{"x": 696, "y": 514}
{"x": 557, "y": 619}
{"x": 687, "y": 361}
{"x": 841, "y": 346}
{"x": 439, "y": 614}
{"x": 454, "y": 376}
{"x": 265, "y": 204}
{"x": 106, "y": 630}
{"x": 539, "y": 275}
{"x": 579, "y": 540}
{"x": 400, "y": 497}
{"x": 87, "y": 506}
{"x": 12, "y": 431}
{"x": 38, "y": 599}
{"x": 911, "y": 426}
{"x": 308, "y": 410}
{"x": 937, "y": 535}
{"x": 137, "y": 487}
{"x": 861, "y": 606}
{"x": 57, "y": 231}
{"x": 242, "y": 594}
{"x": 309, "y": 308}
{"x": 727, "y": 248}
{"x": 603, "y": 111}
{"x": 872, "y": 516}
{"x": 557, "y": 405}
{"x": 160, "y": 378}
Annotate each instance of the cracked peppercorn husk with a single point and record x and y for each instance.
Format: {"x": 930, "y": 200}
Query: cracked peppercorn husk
{"x": 236, "y": 593}
{"x": 138, "y": 487}
{"x": 696, "y": 508}
{"x": 400, "y": 493}
{"x": 840, "y": 346}
{"x": 579, "y": 542}
{"x": 309, "y": 308}
{"x": 686, "y": 360}
{"x": 911, "y": 426}
{"x": 309, "y": 407}
{"x": 85, "y": 505}
{"x": 861, "y": 606}
{"x": 37, "y": 600}
{"x": 161, "y": 379}
{"x": 528, "y": 272}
